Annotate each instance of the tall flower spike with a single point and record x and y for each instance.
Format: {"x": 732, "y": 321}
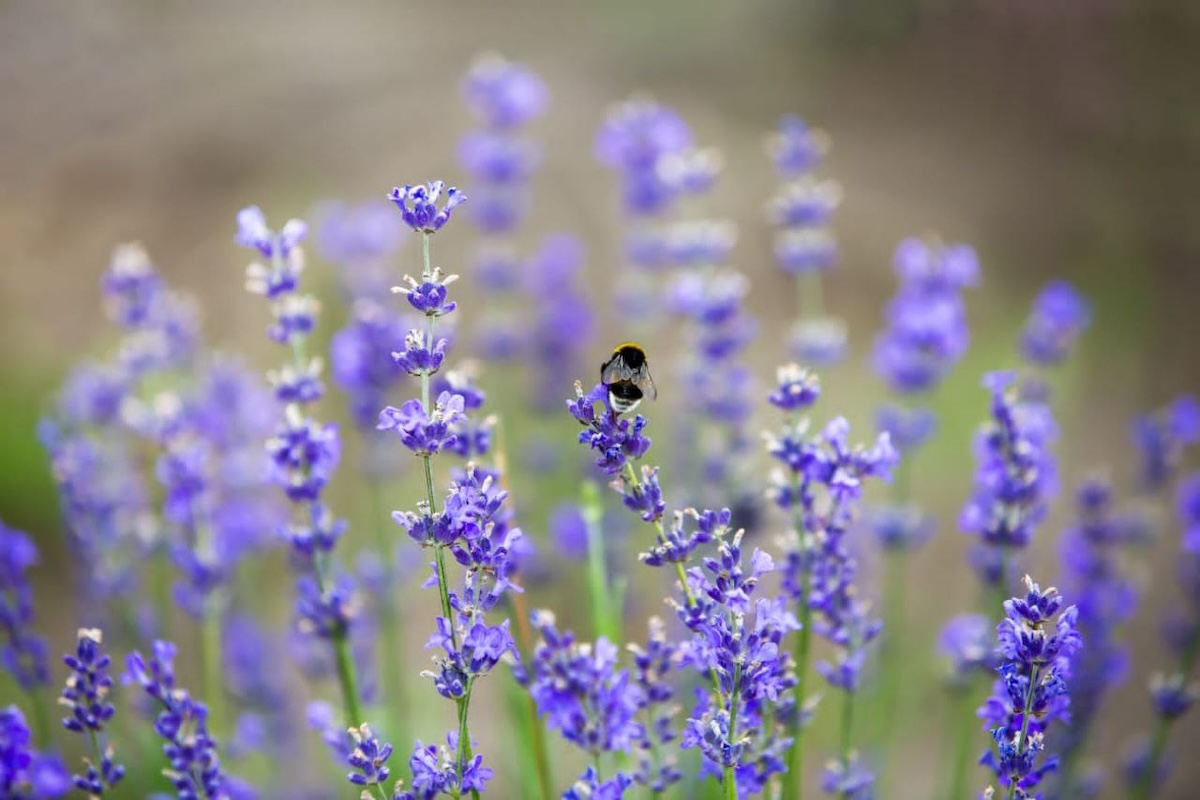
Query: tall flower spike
{"x": 418, "y": 205}
{"x": 86, "y": 695}
{"x": 1037, "y": 639}
{"x": 304, "y": 454}
{"x": 22, "y": 652}
{"x": 182, "y": 723}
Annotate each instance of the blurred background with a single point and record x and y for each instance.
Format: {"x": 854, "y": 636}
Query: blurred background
{"x": 1059, "y": 139}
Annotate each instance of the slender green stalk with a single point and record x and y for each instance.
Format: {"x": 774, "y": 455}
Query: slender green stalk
{"x": 1158, "y": 744}
{"x": 604, "y": 620}
{"x": 963, "y": 711}
{"x": 793, "y": 779}
{"x": 391, "y": 681}
{"x": 210, "y": 656}
{"x": 1025, "y": 712}
{"x": 847, "y": 728}
{"x": 731, "y": 792}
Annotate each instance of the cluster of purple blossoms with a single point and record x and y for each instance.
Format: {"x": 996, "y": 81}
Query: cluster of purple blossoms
{"x": 820, "y": 485}
{"x": 360, "y": 240}
{"x": 26, "y": 773}
{"x": 1162, "y": 437}
{"x": 735, "y": 639}
{"x": 1015, "y": 476}
{"x": 473, "y": 527}
{"x": 805, "y": 246}
{"x": 1173, "y": 693}
{"x": 304, "y": 452}
{"x": 1059, "y": 315}
{"x": 581, "y": 690}
{"x": 22, "y": 652}
{"x": 86, "y": 695}
{"x": 1105, "y": 598}
{"x": 1037, "y": 640}
{"x": 926, "y": 331}
{"x": 182, "y": 723}
{"x": 563, "y": 325}
{"x": 637, "y": 141}
{"x": 104, "y": 417}
{"x": 504, "y": 98}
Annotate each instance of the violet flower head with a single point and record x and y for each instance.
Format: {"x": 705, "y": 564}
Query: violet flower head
{"x": 1037, "y": 639}
{"x": 589, "y": 786}
{"x": 795, "y": 148}
{"x": 1162, "y": 437}
{"x": 564, "y": 323}
{"x": 368, "y": 758}
{"x": 25, "y": 773}
{"x": 419, "y": 205}
{"x": 1187, "y": 503}
{"x": 435, "y": 773}
{"x": 580, "y": 690}
{"x": 132, "y": 287}
{"x": 86, "y": 695}
{"x": 926, "y": 330}
{"x": 1016, "y": 472}
{"x": 966, "y": 644}
{"x": 22, "y": 652}
{"x": 253, "y": 233}
{"x": 1059, "y": 315}
{"x": 631, "y": 140}
{"x": 617, "y": 440}
{"x": 424, "y": 433}
{"x": 503, "y": 94}
{"x": 355, "y": 236}
{"x": 360, "y": 356}
{"x": 797, "y": 389}
{"x": 182, "y": 723}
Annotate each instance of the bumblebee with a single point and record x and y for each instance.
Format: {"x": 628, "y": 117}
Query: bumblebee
{"x": 626, "y": 375}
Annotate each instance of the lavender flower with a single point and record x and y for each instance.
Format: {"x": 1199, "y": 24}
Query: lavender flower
{"x": 22, "y": 653}
{"x": 1037, "y": 640}
{"x": 965, "y": 644}
{"x": 1162, "y": 437}
{"x": 590, "y": 787}
{"x": 26, "y": 774}
{"x": 360, "y": 354}
{"x": 437, "y": 771}
{"x": 1188, "y": 508}
{"x": 805, "y": 245}
{"x": 1106, "y": 598}
{"x": 633, "y": 139}
{"x": 820, "y": 485}
{"x": 182, "y": 723}
{"x": 1016, "y": 474}
{"x": 304, "y": 452}
{"x": 418, "y": 205}
{"x": 86, "y": 694}
{"x": 1059, "y": 315}
{"x": 360, "y": 240}
{"x": 503, "y": 95}
{"x": 368, "y": 758}
{"x": 563, "y": 323}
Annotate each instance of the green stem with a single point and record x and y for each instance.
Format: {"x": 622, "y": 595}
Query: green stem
{"x": 604, "y": 621}
{"x": 812, "y": 295}
{"x": 892, "y": 656}
{"x": 210, "y": 655}
{"x": 966, "y": 728}
{"x": 1025, "y": 712}
{"x": 847, "y": 728}
{"x": 793, "y": 778}
{"x": 464, "y": 736}
{"x": 41, "y": 716}
{"x": 731, "y": 792}
{"x": 347, "y": 679}
{"x": 391, "y": 679}
{"x": 1158, "y": 744}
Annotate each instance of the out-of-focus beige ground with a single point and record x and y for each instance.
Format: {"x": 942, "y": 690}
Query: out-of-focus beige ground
{"x": 1060, "y": 141}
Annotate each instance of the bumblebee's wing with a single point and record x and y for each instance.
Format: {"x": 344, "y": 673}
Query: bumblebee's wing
{"x": 616, "y": 370}
{"x": 644, "y": 382}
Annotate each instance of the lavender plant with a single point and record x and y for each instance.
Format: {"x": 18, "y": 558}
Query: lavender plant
{"x": 805, "y": 245}
{"x": 157, "y": 451}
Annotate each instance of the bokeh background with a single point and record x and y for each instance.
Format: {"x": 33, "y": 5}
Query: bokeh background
{"x": 1060, "y": 139}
